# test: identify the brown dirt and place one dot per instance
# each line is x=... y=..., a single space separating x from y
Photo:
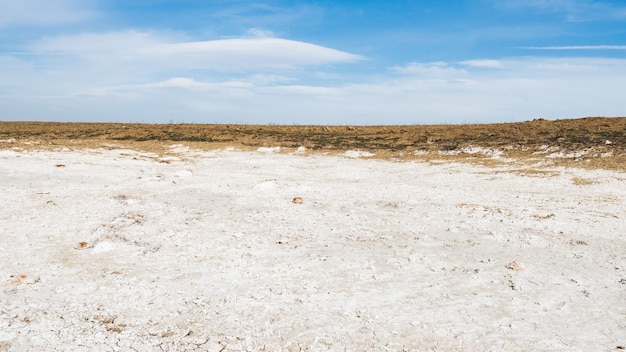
x=593 y=142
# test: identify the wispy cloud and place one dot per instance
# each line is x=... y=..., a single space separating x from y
x=482 y=63
x=260 y=33
x=447 y=92
x=572 y=10
x=547 y=5
x=438 y=69
x=43 y=12
x=577 y=47
x=233 y=16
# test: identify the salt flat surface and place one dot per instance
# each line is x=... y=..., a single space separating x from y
x=122 y=250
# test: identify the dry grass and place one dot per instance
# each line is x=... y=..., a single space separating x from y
x=580 y=181
x=587 y=142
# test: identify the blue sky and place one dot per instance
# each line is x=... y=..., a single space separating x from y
x=311 y=62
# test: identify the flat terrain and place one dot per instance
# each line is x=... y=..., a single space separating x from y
x=309 y=238
x=588 y=142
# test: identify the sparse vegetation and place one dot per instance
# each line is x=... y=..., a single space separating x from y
x=603 y=139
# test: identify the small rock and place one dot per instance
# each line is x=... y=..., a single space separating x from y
x=297 y=200
x=515 y=265
x=24 y=279
x=81 y=245
x=578 y=243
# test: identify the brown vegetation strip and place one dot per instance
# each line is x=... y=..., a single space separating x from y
x=605 y=136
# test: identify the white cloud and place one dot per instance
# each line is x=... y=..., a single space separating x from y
x=180 y=82
x=260 y=33
x=166 y=51
x=436 y=69
x=242 y=54
x=519 y=89
x=269 y=79
x=43 y=12
x=485 y=63
x=567 y=68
